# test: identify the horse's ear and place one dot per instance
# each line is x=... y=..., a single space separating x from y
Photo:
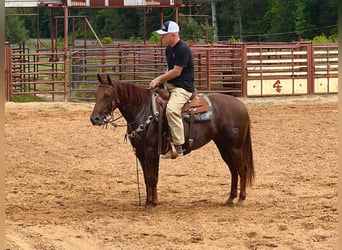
x=110 y=82
x=108 y=79
x=99 y=78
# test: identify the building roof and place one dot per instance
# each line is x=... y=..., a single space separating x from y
x=31 y=3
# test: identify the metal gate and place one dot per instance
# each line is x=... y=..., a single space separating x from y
x=40 y=73
x=217 y=69
x=291 y=69
x=133 y=64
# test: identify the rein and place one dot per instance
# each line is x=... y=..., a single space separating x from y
x=112 y=121
x=134 y=133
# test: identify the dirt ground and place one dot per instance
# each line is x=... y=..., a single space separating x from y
x=74 y=186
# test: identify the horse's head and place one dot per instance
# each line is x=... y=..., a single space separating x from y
x=106 y=100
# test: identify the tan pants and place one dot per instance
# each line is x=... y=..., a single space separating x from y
x=177 y=100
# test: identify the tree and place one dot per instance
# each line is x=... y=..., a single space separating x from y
x=314 y=18
x=249 y=20
x=213 y=19
x=15 y=31
x=191 y=30
x=281 y=17
x=253 y=20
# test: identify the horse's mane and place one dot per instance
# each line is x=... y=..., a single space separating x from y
x=133 y=93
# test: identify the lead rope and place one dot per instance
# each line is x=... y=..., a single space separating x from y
x=138 y=181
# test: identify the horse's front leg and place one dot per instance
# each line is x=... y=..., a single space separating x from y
x=151 y=173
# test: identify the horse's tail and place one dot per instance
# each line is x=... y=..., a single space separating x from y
x=248 y=158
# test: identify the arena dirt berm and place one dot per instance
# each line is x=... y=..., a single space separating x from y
x=70 y=185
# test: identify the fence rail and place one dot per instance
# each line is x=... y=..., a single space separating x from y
x=238 y=69
x=40 y=73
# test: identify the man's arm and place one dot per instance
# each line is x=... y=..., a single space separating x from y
x=168 y=75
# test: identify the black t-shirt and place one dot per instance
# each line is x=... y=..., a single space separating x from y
x=180 y=55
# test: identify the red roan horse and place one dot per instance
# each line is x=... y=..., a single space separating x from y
x=229 y=129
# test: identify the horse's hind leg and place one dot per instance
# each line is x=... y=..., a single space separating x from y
x=227 y=157
x=233 y=185
x=241 y=168
x=235 y=162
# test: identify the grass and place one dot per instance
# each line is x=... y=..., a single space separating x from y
x=27 y=98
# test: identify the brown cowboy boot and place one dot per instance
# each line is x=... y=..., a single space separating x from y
x=179 y=150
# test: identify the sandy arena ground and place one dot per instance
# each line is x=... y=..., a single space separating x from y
x=74 y=186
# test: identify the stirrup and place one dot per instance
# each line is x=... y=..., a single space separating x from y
x=171 y=154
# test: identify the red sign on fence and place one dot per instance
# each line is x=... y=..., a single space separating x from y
x=277 y=86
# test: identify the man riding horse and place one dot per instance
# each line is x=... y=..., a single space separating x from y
x=228 y=127
x=179 y=80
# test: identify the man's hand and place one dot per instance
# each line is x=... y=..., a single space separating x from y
x=154 y=83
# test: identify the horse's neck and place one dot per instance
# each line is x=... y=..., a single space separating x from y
x=133 y=106
x=130 y=111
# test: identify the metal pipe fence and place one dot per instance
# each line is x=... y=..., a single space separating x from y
x=237 y=68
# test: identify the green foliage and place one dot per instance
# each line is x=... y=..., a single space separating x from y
x=15 y=31
x=249 y=20
x=60 y=41
x=281 y=21
x=210 y=38
x=107 y=40
x=117 y=23
x=26 y=98
x=233 y=39
x=193 y=30
x=315 y=17
x=133 y=39
x=106 y=22
x=155 y=37
x=324 y=39
x=303 y=20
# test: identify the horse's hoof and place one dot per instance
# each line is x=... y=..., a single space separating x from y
x=230 y=202
x=240 y=202
x=149 y=207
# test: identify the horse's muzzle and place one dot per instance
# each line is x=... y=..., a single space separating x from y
x=97 y=119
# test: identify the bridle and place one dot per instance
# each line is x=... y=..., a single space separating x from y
x=116 y=102
x=109 y=119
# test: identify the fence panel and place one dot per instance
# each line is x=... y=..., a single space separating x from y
x=278 y=69
x=325 y=66
x=238 y=69
x=8 y=71
x=225 y=71
x=292 y=69
x=125 y=64
x=40 y=73
x=216 y=69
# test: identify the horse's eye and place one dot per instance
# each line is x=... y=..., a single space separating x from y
x=106 y=96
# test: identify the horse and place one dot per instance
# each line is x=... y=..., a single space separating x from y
x=230 y=130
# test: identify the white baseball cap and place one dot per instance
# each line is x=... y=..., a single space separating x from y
x=168 y=27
